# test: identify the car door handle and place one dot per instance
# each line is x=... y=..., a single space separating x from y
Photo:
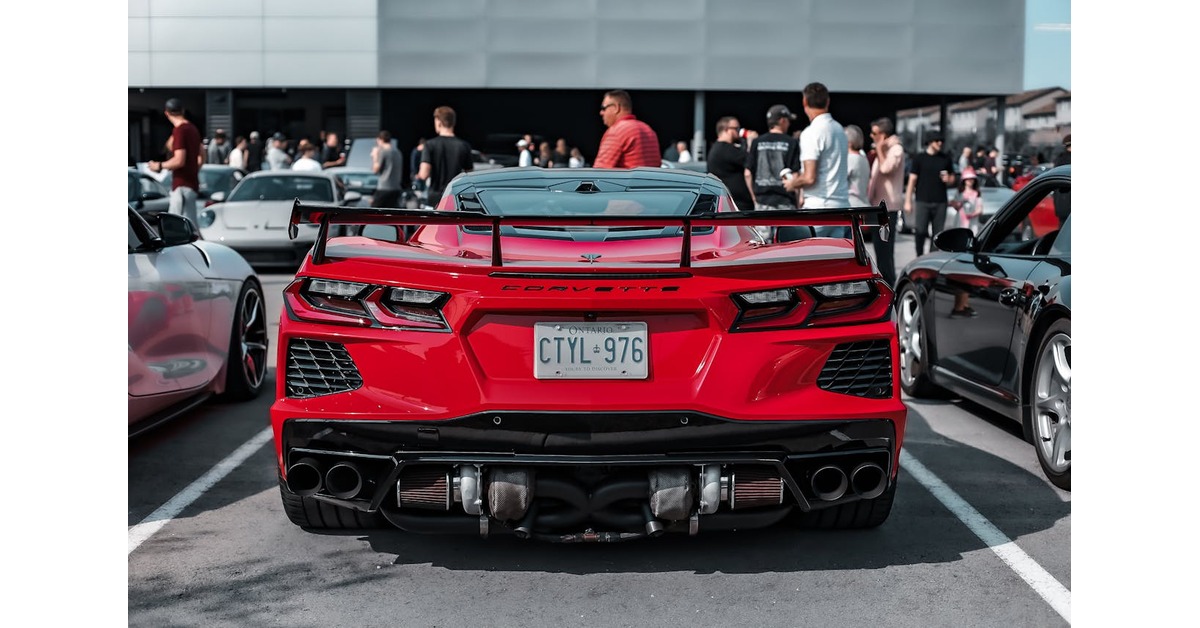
x=1010 y=296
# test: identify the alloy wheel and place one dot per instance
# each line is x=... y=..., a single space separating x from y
x=253 y=336
x=1052 y=403
x=910 y=330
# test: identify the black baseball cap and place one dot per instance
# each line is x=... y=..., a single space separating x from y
x=279 y=137
x=779 y=112
x=933 y=136
x=174 y=105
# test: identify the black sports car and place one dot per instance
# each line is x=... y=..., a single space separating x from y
x=988 y=317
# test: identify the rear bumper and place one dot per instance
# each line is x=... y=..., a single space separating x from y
x=589 y=472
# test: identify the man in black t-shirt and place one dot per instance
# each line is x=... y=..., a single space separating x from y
x=727 y=160
x=769 y=155
x=444 y=157
x=932 y=171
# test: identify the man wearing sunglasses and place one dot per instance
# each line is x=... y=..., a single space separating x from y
x=628 y=142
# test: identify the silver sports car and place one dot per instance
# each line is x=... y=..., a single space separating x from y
x=253 y=219
x=197 y=325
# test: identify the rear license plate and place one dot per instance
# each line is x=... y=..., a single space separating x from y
x=590 y=351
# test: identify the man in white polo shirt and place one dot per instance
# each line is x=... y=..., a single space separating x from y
x=823 y=153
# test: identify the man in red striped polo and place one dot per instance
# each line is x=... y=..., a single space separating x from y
x=628 y=142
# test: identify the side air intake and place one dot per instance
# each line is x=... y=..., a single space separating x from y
x=863 y=369
x=316 y=368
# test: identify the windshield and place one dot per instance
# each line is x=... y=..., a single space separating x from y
x=283 y=188
x=359 y=181
x=218 y=180
x=562 y=203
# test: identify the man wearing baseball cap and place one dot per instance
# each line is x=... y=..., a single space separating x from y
x=770 y=154
x=184 y=162
x=931 y=172
x=277 y=157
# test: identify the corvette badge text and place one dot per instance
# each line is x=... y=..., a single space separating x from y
x=593 y=288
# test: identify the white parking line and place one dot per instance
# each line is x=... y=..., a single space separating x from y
x=159 y=518
x=1051 y=590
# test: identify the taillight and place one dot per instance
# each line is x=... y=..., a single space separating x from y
x=851 y=302
x=770 y=309
x=366 y=305
x=840 y=303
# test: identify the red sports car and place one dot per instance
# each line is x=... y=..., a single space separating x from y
x=586 y=355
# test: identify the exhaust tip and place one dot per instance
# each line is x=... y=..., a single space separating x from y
x=868 y=480
x=829 y=483
x=344 y=480
x=304 y=477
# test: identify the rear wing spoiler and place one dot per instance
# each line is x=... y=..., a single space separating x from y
x=325 y=215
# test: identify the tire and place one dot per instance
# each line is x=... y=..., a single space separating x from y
x=910 y=327
x=246 y=366
x=1049 y=404
x=865 y=513
x=313 y=514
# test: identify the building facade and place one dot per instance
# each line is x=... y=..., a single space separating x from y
x=354 y=66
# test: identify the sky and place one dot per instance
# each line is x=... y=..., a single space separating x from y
x=1047 y=44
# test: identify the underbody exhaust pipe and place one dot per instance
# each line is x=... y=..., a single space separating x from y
x=868 y=480
x=829 y=483
x=304 y=477
x=344 y=480
x=654 y=527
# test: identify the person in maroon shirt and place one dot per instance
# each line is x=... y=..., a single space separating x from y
x=184 y=162
x=628 y=142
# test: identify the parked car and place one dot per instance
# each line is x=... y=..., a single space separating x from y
x=197 y=327
x=1043 y=220
x=213 y=178
x=694 y=166
x=253 y=219
x=361 y=180
x=989 y=318
x=573 y=354
x=147 y=195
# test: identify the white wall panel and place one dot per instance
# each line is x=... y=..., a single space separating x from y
x=556 y=37
x=320 y=8
x=544 y=9
x=433 y=35
x=214 y=69
x=206 y=34
x=439 y=9
x=649 y=71
x=139 y=34
x=651 y=37
x=139 y=68
x=321 y=69
x=205 y=8
x=464 y=69
x=331 y=34
x=535 y=69
x=921 y=46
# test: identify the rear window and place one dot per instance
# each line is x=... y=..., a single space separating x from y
x=280 y=188
x=563 y=203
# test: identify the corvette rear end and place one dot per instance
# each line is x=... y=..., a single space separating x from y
x=571 y=373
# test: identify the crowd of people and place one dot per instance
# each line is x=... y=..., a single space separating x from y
x=824 y=165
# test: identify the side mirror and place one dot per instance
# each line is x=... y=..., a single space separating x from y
x=217 y=197
x=176 y=230
x=351 y=197
x=957 y=240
